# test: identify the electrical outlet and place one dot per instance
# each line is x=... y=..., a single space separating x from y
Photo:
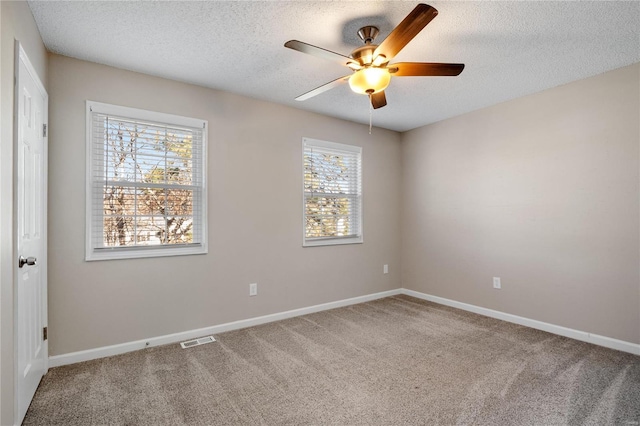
x=496 y=283
x=253 y=289
x=385 y=269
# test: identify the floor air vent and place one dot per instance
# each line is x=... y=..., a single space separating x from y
x=197 y=342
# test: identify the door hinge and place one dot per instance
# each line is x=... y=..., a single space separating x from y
x=44 y=130
x=44 y=333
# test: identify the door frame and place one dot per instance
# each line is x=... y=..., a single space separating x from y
x=21 y=56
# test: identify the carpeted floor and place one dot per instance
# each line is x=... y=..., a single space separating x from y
x=392 y=361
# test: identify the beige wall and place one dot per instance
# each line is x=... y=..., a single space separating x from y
x=542 y=191
x=16 y=24
x=255 y=220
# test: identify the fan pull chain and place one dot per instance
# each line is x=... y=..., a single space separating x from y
x=370 y=114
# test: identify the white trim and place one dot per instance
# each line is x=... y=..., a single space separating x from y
x=583 y=336
x=143 y=114
x=332 y=241
x=74 y=357
x=331 y=147
x=142 y=252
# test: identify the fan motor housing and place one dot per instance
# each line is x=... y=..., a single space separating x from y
x=364 y=54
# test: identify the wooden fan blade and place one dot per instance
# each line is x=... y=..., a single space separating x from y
x=319 y=52
x=378 y=100
x=330 y=85
x=406 y=31
x=408 y=69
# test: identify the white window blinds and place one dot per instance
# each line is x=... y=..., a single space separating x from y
x=332 y=193
x=146 y=183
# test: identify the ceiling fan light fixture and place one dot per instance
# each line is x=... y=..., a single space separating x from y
x=369 y=80
x=371 y=64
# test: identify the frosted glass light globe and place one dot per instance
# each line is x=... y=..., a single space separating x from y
x=369 y=80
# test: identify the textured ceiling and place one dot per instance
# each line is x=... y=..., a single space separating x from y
x=510 y=49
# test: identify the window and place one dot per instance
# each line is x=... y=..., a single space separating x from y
x=146 y=183
x=332 y=193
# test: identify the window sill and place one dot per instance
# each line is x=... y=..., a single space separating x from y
x=332 y=242
x=116 y=253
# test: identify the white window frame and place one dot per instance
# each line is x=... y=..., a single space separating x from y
x=109 y=253
x=338 y=148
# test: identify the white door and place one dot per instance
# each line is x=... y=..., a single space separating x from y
x=30 y=230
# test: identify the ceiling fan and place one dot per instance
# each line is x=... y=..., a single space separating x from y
x=370 y=63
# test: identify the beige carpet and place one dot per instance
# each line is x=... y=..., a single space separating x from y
x=392 y=361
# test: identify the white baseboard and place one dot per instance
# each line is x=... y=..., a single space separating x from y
x=607 y=342
x=74 y=357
